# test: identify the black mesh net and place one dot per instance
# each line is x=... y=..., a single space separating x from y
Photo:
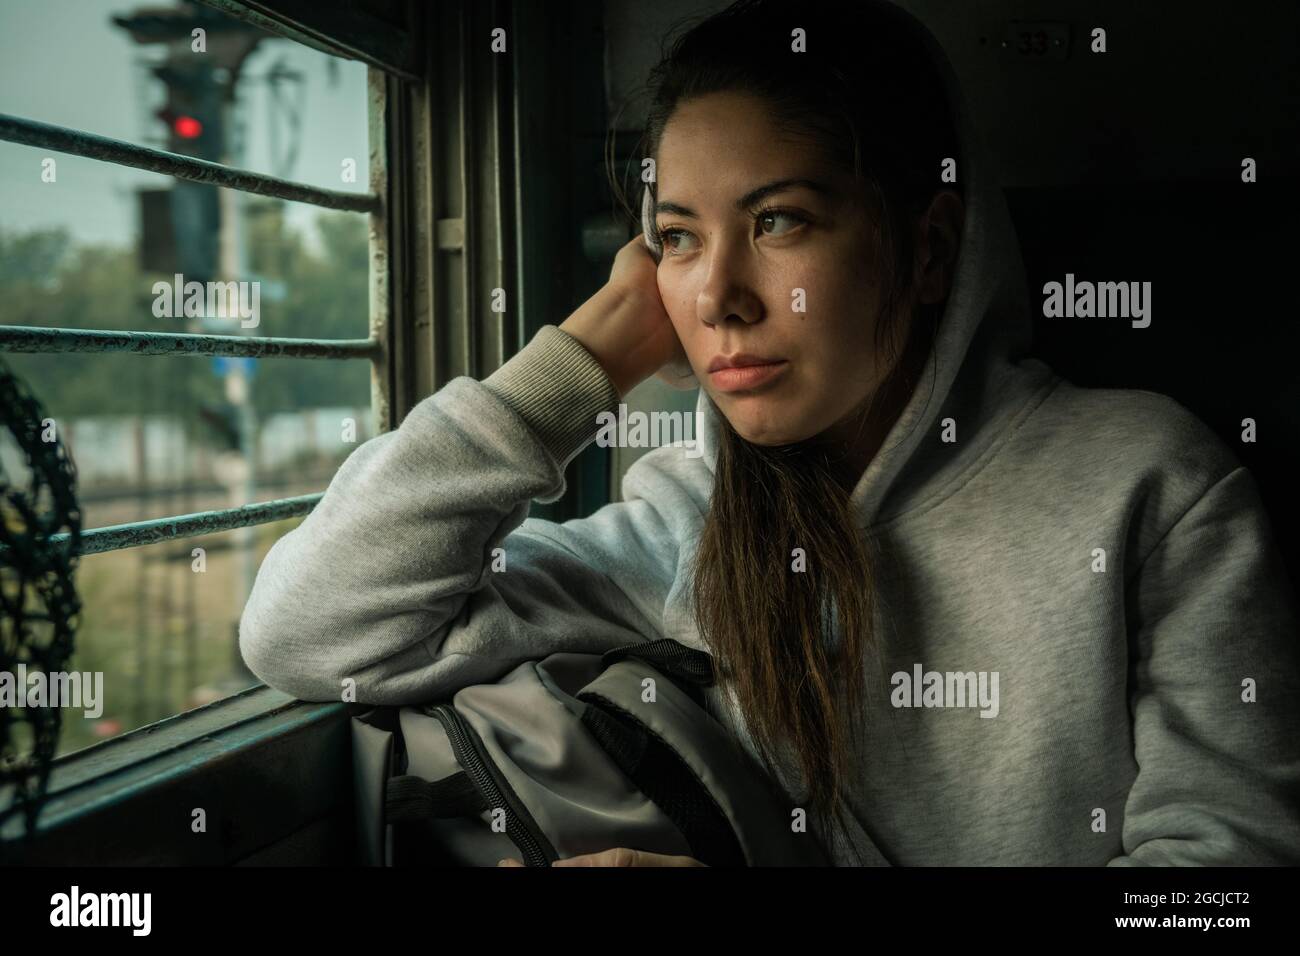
x=40 y=534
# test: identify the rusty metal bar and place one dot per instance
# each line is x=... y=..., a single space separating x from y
x=138 y=533
x=351 y=30
x=28 y=132
x=17 y=338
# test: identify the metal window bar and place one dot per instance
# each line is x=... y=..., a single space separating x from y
x=16 y=338
x=135 y=534
x=28 y=132
x=29 y=339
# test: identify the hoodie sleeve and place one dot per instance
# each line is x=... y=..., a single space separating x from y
x=418 y=572
x=1216 y=717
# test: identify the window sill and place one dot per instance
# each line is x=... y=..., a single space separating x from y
x=212 y=786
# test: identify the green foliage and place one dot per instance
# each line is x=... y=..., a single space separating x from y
x=47 y=280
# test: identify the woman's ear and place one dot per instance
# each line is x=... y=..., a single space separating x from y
x=938 y=244
x=648 y=230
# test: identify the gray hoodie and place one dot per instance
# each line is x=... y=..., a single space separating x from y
x=1087 y=646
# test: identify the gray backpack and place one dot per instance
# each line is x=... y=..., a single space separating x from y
x=571 y=754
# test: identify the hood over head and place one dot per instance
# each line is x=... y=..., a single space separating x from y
x=984 y=329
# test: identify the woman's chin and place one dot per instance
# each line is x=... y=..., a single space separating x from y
x=771 y=416
x=765 y=433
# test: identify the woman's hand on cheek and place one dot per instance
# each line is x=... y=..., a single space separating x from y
x=619 y=856
x=625 y=326
x=677 y=371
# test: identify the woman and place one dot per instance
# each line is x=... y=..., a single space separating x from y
x=967 y=612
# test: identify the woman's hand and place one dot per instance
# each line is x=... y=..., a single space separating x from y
x=625 y=327
x=619 y=856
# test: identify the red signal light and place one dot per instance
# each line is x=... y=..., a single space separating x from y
x=187 y=127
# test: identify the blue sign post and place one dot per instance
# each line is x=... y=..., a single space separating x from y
x=223 y=365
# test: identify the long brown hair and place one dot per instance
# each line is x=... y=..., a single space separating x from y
x=793 y=645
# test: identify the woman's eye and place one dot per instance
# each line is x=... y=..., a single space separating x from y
x=779 y=215
x=668 y=238
x=671 y=239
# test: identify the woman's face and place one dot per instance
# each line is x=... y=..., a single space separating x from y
x=783 y=273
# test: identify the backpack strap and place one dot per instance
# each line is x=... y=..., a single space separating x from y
x=412 y=799
x=669 y=657
x=668 y=781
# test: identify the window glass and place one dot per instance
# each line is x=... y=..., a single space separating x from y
x=93 y=245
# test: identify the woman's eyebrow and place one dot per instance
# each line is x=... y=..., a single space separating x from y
x=753 y=197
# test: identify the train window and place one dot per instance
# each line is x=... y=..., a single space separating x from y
x=185 y=255
x=262 y=286
x=196 y=259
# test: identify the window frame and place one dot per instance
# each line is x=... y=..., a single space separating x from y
x=452 y=219
x=227 y=755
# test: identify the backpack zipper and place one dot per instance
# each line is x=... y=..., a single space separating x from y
x=469 y=750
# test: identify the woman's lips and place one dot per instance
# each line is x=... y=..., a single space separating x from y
x=738 y=378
